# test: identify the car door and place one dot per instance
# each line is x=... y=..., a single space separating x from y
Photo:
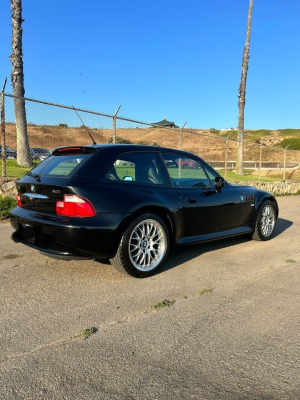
x=206 y=210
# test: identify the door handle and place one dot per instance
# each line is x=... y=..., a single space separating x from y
x=191 y=199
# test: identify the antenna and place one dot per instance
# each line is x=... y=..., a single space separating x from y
x=84 y=126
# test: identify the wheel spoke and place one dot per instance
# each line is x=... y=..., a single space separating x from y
x=267 y=221
x=147 y=245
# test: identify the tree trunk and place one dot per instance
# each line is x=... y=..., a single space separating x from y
x=17 y=79
x=242 y=96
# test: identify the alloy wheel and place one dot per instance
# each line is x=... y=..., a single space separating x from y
x=147 y=245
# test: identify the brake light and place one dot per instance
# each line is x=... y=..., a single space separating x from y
x=75 y=206
x=69 y=149
x=19 y=200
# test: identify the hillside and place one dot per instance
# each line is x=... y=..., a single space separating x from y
x=211 y=146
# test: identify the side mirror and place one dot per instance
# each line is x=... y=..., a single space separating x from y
x=219 y=182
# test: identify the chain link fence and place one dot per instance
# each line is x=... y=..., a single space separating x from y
x=50 y=125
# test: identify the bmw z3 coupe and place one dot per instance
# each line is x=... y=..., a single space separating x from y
x=130 y=204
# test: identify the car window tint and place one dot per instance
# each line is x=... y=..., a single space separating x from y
x=211 y=174
x=60 y=165
x=185 y=172
x=136 y=167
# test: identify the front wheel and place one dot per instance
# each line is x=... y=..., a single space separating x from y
x=265 y=222
x=143 y=247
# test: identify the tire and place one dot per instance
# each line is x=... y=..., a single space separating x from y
x=143 y=247
x=265 y=222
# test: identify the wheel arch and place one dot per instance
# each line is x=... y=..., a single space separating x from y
x=161 y=212
x=271 y=198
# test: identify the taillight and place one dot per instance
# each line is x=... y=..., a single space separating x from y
x=19 y=200
x=75 y=206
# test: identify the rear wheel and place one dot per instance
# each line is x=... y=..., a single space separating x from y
x=143 y=247
x=265 y=222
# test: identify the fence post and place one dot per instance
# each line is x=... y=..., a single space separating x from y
x=180 y=136
x=3 y=156
x=260 y=157
x=115 y=124
x=180 y=146
x=284 y=162
x=226 y=154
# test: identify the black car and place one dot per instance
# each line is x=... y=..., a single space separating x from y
x=39 y=153
x=9 y=152
x=130 y=204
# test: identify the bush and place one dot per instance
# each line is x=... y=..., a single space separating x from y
x=120 y=140
x=294 y=143
x=63 y=125
x=6 y=204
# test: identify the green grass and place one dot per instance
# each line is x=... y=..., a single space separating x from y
x=162 y=304
x=214 y=131
x=250 y=136
x=290 y=132
x=6 y=204
x=205 y=291
x=232 y=176
x=13 y=170
x=293 y=143
x=233 y=134
x=290 y=261
x=86 y=333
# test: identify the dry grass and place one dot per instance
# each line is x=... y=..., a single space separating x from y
x=211 y=148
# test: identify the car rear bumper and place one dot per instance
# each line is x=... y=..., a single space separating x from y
x=68 y=238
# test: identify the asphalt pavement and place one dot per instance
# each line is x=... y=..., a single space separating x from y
x=230 y=330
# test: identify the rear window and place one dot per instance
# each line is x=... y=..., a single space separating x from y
x=61 y=165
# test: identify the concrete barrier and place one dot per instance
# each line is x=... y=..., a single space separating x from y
x=8 y=186
x=281 y=188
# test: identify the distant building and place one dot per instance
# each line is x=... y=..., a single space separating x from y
x=165 y=123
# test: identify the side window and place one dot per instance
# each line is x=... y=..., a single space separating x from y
x=185 y=172
x=210 y=173
x=138 y=167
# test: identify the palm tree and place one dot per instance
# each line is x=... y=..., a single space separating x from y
x=242 y=96
x=17 y=79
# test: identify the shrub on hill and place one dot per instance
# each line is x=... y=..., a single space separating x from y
x=293 y=143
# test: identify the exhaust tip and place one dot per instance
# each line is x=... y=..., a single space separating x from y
x=15 y=237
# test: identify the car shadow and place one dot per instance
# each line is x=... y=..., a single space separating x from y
x=282 y=225
x=180 y=255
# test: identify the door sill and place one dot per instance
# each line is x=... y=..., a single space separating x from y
x=242 y=230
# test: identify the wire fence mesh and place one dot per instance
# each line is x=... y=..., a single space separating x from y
x=50 y=125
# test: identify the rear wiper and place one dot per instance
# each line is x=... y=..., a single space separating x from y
x=34 y=176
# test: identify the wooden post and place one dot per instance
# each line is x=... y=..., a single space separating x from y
x=180 y=147
x=284 y=162
x=115 y=125
x=260 y=157
x=226 y=149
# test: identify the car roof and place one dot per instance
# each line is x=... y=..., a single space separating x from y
x=115 y=149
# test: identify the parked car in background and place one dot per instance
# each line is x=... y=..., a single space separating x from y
x=39 y=153
x=130 y=204
x=9 y=152
x=186 y=164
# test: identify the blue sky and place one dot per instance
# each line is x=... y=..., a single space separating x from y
x=174 y=59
